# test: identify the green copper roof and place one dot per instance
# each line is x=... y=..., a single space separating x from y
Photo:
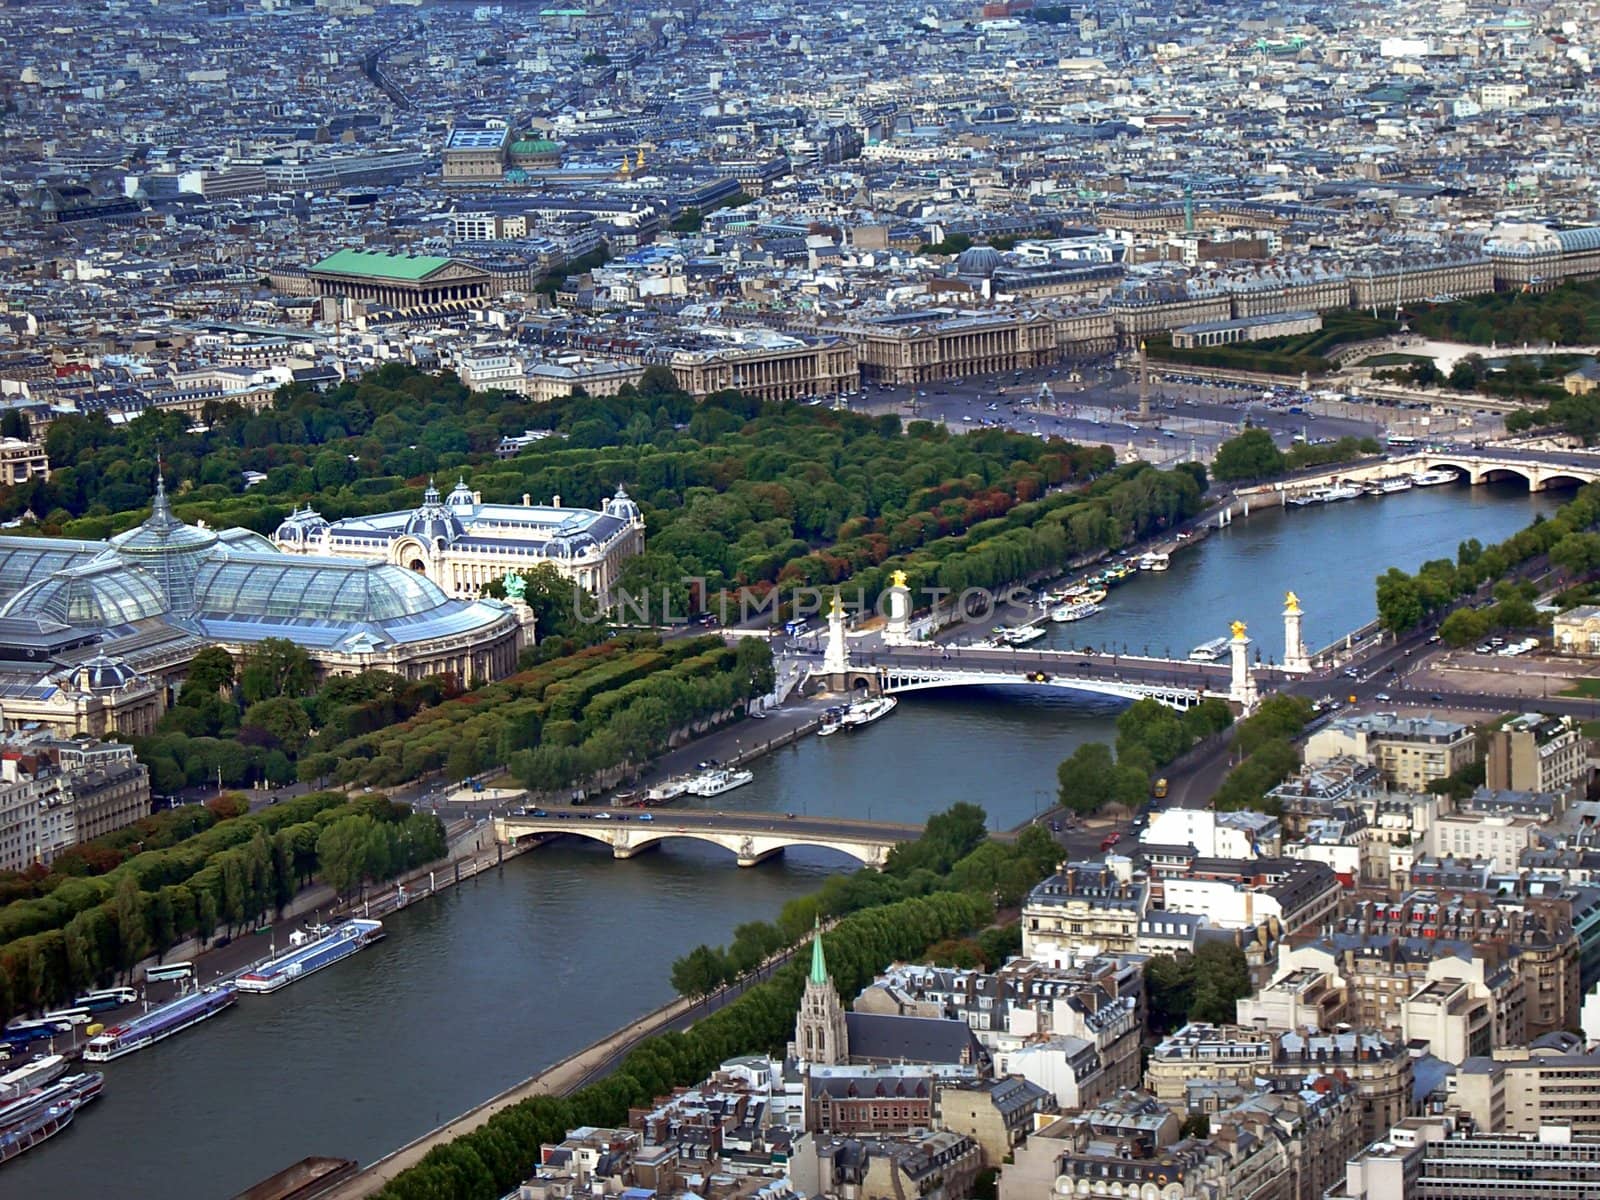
x=819 y=969
x=384 y=266
x=534 y=146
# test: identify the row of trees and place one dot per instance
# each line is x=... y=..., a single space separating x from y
x=1149 y=736
x=1406 y=600
x=258 y=723
x=1264 y=742
x=607 y=706
x=954 y=853
x=89 y=929
x=493 y=1159
x=108 y=851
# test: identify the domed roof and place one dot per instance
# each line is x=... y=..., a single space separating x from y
x=162 y=532
x=292 y=587
x=621 y=506
x=461 y=496
x=433 y=522
x=534 y=146
x=104 y=592
x=979 y=261
x=169 y=549
x=102 y=673
x=301 y=526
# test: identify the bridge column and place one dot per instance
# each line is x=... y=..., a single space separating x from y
x=897 y=630
x=748 y=856
x=836 y=657
x=623 y=847
x=1294 y=646
x=1242 y=684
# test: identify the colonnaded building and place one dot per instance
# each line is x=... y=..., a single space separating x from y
x=96 y=637
x=461 y=543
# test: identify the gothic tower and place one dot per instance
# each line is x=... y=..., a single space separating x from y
x=819 y=1032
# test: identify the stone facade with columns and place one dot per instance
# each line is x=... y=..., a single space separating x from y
x=462 y=543
x=401 y=281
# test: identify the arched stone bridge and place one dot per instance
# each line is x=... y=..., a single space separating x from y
x=750 y=837
x=1539 y=469
x=906 y=678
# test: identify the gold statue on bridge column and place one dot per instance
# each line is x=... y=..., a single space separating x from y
x=1291 y=603
x=1238 y=629
x=897 y=579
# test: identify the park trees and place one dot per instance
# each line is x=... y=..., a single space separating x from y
x=275 y=667
x=1250 y=455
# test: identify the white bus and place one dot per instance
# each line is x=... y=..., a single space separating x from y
x=177 y=970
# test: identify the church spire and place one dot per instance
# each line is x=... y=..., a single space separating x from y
x=819 y=968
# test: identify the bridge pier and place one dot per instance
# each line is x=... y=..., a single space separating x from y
x=622 y=849
x=749 y=859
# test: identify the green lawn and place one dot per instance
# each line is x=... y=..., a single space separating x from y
x=1589 y=688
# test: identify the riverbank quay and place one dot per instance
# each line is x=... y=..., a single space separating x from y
x=576 y=1071
x=472 y=852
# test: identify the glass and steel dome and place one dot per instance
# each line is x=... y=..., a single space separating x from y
x=102 y=593
x=309 y=588
x=245 y=541
x=167 y=548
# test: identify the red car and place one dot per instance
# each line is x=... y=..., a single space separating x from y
x=1111 y=840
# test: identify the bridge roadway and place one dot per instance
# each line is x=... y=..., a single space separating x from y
x=751 y=837
x=1179 y=682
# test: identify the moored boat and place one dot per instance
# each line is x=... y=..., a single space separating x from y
x=318 y=948
x=723 y=779
x=49 y=1119
x=160 y=1023
x=1074 y=612
x=865 y=712
x=1021 y=635
x=1155 y=561
x=669 y=789
x=1432 y=478
x=23 y=1079
x=1209 y=651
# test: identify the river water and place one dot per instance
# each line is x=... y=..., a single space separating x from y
x=490 y=983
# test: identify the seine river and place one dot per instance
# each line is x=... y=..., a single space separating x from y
x=480 y=989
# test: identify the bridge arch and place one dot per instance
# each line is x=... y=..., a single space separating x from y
x=1503 y=473
x=630 y=837
x=898 y=682
x=1562 y=479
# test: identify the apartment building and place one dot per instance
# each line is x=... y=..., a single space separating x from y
x=1482 y=837
x=1427 y=1159
x=1409 y=751
x=21 y=461
x=57 y=792
x=1083 y=910
x=1519 y=1090
x=1536 y=753
x=1206 y=1052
